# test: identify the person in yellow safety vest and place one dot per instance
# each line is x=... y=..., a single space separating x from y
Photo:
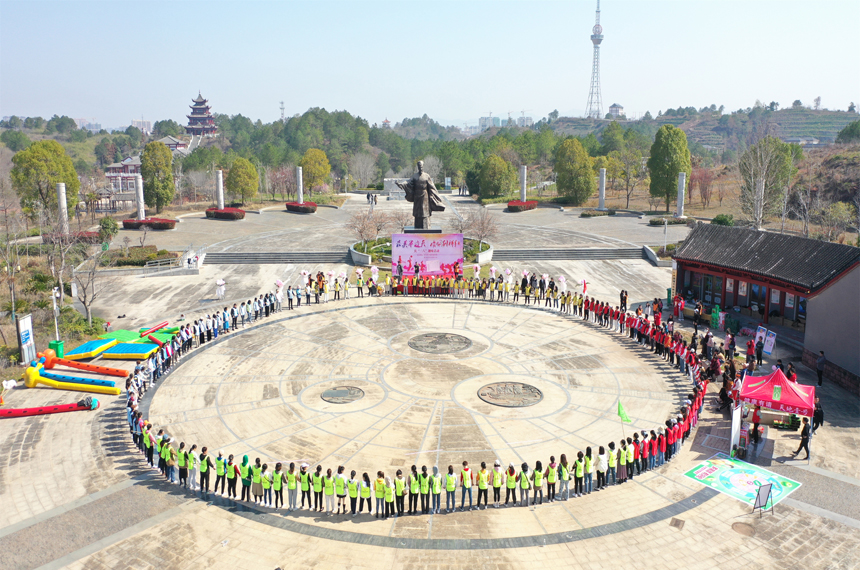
x=399 y=490
x=364 y=493
x=158 y=439
x=510 y=484
x=182 y=463
x=589 y=470
x=245 y=474
x=147 y=443
x=450 y=490
x=525 y=484
x=205 y=468
x=564 y=479
x=257 y=480
x=328 y=489
x=277 y=485
x=193 y=468
x=220 y=472
x=305 y=482
x=497 y=477
x=293 y=483
x=231 y=478
x=388 y=284
x=613 y=462
x=622 y=462
x=424 y=484
x=317 y=481
x=388 y=494
x=340 y=489
x=466 y=485
x=579 y=472
x=630 y=458
x=483 y=484
x=436 y=490
x=352 y=485
x=537 y=481
x=379 y=491
x=551 y=474
x=266 y=483
x=169 y=455
x=413 y=491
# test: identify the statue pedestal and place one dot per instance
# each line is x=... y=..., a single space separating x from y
x=431 y=230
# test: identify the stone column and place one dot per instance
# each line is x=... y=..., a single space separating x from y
x=682 y=179
x=141 y=205
x=299 y=189
x=524 y=171
x=601 y=191
x=219 y=188
x=62 y=209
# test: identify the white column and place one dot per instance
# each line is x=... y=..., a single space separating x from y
x=523 y=182
x=219 y=188
x=141 y=205
x=299 y=189
x=601 y=190
x=62 y=209
x=682 y=179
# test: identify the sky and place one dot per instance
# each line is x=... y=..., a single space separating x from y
x=453 y=60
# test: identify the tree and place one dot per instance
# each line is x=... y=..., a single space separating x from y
x=482 y=225
x=401 y=218
x=765 y=169
x=702 y=179
x=156 y=167
x=612 y=138
x=834 y=219
x=37 y=171
x=108 y=228
x=361 y=226
x=852 y=108
x=647 y=116
x=497 y=177
x=433 y=167
x=91 y=282
x=15 y=140
x=553 y=115
x=363 y=167
x=773 y=106
x=574 y=177
x=460 y=224
x=631 y=171
x=669 y=157
x=167 y=128
x=797 y=104
x=315 y=169
x=383 y=163
x=817 y=102
x=851 y=133
x=242 y=180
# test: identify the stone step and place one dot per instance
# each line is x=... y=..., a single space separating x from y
x=274 y=258
x=567 y=254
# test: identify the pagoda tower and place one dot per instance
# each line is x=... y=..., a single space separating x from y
x=200 y=121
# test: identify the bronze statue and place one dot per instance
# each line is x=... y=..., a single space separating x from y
x=425 y=199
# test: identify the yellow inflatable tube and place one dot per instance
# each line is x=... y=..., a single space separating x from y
x=33 y=379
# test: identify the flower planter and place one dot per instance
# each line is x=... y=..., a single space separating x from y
x=303 y=208
x=520 y=206
x=225 y=214
x=151 y=223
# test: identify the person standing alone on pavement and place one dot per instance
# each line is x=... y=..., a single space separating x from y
x=819 y=366
x=817 y=416
x=804 y=439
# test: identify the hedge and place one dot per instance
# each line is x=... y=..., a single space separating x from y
x=136 y=256
x=82 y=237
x=520 y=206
x=152 y=223
x=303 y=208
x=225 y=214
x=670 y=221
x=592 y=213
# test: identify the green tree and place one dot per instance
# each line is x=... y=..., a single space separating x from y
x=669 y=157
x=108 y=228
x=60 y=125
x=242 y=180
x=166 y=128
x=78 y=135
x=383 y=164
x=315 y=169
x=497 y=177
x=612 y=138
x=15 y=140
x=156 y=167
x=37 y=171
x=574 y=176
x=851 y=133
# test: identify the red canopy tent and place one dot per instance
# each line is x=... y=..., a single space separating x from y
x=777 y=393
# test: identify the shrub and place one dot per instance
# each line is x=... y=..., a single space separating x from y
x=108 y=228
x=225 y=214
x=82 y=237
x=303 y=208
x=520 y=206
x=670 y=221
x=592 y=213
x=152 y=223
x=724 y=220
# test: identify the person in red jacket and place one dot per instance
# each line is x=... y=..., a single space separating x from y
x=670 y=441
x=661 y=442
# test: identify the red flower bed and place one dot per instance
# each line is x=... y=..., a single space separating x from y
x=152 y=223
x=225 y=214
x=82 y=237
x=520 y=206
x=303 y=208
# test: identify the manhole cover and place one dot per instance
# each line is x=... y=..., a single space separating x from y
x=439 y=343
x=743 y=528
x=677 y=523
x=510 y=394
x=342 y=395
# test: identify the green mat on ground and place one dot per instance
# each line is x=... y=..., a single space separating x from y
x=122 y=335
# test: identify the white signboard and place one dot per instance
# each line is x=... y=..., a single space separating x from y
x=27 y=339
x=730 y=285
x=789 y=301
x=760 y=334
x=769 y=342
x=774 y=296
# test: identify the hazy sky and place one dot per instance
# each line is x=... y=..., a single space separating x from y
x=453 y=60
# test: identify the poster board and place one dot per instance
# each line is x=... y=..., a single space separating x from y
x=760 y=334
x=769 y=342
x=434 y=254
x=740 y=480
x=26 y=339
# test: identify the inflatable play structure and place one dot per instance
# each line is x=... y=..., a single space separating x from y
x=33 y=377
x=88 y=403
x=51 y=360
x=90 y=349
x=130 y=351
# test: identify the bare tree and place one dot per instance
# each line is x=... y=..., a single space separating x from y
x=367 y=225
x=283 y=180
x=198 y=183
x=460 y=224
x=631 y=171
x=363 y=167
x=703 y=178
x=834 y=219
x=804 y=204
x=13 y=229
x=764 y=170
x=482 y=225
x=433 y=167
x=91 y=281
x=401 y=218
x=177 y=179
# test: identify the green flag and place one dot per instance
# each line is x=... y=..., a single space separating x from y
x=622 y=414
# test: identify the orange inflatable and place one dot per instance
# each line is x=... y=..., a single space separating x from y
x=51 y=360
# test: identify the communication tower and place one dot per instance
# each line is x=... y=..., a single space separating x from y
x=594 y=108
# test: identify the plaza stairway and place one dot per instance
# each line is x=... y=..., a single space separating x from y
x=276 y=258
x=565 y=254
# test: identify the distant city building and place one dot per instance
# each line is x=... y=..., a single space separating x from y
x=487 y=122
x=121 y=174
x=90 y=125
x=145 y=126
x=525 y=122
x=616 y=110
x=200 y=121
x=386 y=124
x=802 y=141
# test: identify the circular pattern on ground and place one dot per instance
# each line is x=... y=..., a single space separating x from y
x=342 y=395
x=440 y=343
x=510 y=394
